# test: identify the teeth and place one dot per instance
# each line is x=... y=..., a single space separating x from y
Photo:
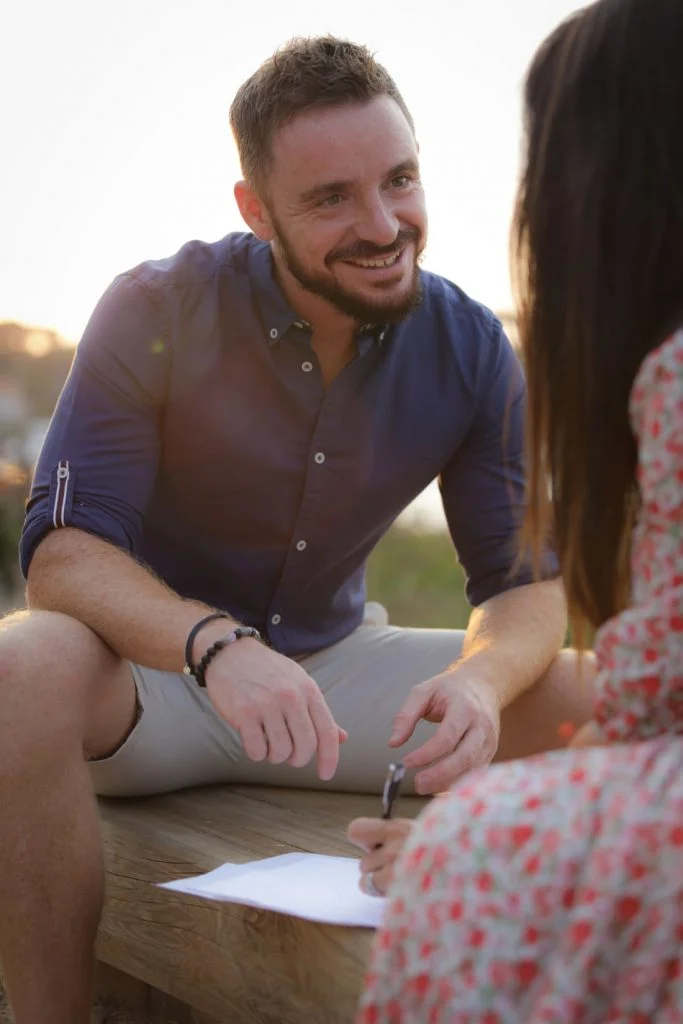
x=388 y=261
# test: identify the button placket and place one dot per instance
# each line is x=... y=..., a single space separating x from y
x=308 y=519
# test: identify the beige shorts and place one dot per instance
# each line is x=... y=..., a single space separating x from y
x=179 y=740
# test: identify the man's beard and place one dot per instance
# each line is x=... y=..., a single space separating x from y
x=362 y=310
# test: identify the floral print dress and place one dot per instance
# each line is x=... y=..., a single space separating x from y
x=550 y=890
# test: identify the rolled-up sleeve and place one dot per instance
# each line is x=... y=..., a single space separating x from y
x=483 y=487
x=98 y=464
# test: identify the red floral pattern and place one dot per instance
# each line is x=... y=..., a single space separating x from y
x=550 y=890
x=640 y=653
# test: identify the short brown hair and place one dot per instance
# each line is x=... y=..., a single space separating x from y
x=305 y=73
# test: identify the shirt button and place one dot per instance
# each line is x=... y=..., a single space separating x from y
x=273 y=332
x=301 y=545
x=319 y=457
x=307 y=367
x=275 y=620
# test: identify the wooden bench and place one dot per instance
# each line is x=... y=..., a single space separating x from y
x=171 y=957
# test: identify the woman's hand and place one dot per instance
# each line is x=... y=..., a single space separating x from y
x=383 y=842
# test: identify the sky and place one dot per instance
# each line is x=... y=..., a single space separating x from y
x=116 y=146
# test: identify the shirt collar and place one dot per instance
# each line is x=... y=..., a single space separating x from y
x=277 y=315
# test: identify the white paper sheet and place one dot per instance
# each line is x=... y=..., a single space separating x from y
x=306 y=885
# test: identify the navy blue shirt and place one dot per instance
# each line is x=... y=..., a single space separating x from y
x=195 y=431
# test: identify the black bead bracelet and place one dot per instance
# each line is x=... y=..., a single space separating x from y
x=189 y=668
x=237 y=634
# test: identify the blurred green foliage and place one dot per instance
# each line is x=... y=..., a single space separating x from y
x=37 y=361
x=12 y=507
x=414 y=573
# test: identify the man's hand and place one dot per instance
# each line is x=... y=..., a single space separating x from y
x=468 y=711
x=383 y=842
x=276 y=707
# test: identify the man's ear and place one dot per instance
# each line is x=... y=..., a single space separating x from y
x=254 y=212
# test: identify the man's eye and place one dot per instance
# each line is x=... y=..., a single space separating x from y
x=400 y=181
x=331 y=201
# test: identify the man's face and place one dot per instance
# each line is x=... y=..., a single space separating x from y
x=346 y=205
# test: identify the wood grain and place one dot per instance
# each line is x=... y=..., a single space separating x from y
x=232 y=963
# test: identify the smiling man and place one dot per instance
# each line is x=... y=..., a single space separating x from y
x=374 y=278
x=242 y=423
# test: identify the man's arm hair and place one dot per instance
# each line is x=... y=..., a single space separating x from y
x=121 y=600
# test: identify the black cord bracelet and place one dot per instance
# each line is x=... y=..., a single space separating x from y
x=215 y=648
x=189 y=668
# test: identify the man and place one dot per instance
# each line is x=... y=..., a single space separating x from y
x=241 y=425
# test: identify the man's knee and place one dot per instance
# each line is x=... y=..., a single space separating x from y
x=50 y=668
x=569 y=685
x=545 y=716
x=39 y=649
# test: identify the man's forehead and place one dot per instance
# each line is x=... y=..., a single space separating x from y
x=344 y=143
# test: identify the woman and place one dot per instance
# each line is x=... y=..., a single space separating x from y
x=552 y=889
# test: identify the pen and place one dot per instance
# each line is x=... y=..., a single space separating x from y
x=392 y=787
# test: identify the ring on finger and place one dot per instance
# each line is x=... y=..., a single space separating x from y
x=369 y=885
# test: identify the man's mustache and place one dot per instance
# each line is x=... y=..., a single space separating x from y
x=367 y=251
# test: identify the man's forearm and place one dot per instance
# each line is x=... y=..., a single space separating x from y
x=512 y=639
x=136 y=614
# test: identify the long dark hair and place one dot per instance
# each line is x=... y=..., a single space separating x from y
x=598 y=269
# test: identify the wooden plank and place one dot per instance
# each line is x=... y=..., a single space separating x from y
x=232 y=963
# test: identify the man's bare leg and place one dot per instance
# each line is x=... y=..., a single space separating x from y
x=62 y=694
x=544 y=717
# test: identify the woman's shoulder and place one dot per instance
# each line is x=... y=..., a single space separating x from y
x=659 y=380
x=657 y=421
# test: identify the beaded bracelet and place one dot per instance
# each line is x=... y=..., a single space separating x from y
x=189 y=668
x=215 y=648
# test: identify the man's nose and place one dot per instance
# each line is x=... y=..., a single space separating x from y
x=377 y=223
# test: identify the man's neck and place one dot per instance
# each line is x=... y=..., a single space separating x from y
x=333 y=333
x=324 y=318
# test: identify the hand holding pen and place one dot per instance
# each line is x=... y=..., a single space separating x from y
x=382 y=838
